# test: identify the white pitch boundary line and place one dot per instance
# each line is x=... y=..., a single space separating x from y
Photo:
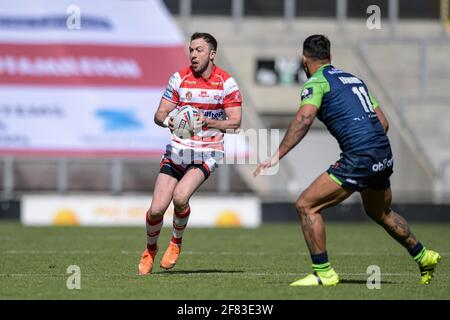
x=202 y=274
x=252 y=253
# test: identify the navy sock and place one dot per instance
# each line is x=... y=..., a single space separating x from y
x=417 y=251
x=320 y=262
x=319 y=258
x=414 y=251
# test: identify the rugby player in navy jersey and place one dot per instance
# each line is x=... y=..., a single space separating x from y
x=344 y=104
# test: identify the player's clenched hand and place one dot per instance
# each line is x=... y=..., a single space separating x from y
x=264 y=165
x=204 y=121
x=170 y=124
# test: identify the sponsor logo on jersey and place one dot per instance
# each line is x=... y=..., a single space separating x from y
x=237 y=96
x=381 y=166
x=168 y=93
x=204 y=94
x=307 y=93
x=216 y=84
x=214 y=114
x=217 y=97
x=190 y=82
x=169 y=89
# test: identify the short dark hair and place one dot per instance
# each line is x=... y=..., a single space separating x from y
x=209 y=39
x=317 y=46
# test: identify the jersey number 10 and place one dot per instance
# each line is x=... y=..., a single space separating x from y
x=364 y=99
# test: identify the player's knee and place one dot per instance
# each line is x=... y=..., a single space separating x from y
x=155 y=213
x=303 y=207
x=180 y=200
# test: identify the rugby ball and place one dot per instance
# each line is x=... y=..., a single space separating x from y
x=185 y=122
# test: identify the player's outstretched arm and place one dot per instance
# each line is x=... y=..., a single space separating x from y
x=296 y=131
x=382 y=119
x=162 y=114
x=232 y=123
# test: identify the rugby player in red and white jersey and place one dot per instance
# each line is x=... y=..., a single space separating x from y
x=187 y=163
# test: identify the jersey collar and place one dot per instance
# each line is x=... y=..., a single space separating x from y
x=321 y=68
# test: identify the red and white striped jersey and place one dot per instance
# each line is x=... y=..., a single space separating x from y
x=211 y=96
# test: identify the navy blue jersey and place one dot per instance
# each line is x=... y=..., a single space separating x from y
x=346 y=108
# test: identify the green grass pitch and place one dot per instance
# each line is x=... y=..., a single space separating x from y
x=215 y=263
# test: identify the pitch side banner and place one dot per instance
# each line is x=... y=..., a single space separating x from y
x=85 y=77
x=86 y=210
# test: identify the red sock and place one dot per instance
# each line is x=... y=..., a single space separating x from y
x=180 y=220
x=154 y=226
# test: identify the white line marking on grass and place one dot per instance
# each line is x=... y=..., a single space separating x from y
x=31 y=275
x=53 y=252
x=230 y=273
x=253 y=253
x=206 y=253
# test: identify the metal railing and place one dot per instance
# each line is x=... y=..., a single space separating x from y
x=62 y=184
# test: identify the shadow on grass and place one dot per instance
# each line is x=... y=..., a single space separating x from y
x=197 y=271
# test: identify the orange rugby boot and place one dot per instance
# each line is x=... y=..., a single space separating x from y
x=171 y=256
x=146 y=263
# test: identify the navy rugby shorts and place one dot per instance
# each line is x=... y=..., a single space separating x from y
x=367 y=169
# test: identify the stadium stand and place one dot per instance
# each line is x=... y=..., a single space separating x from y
x=391 y=60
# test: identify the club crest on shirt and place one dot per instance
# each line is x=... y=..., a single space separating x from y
x=307 y=93
x=188 y=96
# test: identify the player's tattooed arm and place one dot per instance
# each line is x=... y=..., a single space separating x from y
x=297 y=129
